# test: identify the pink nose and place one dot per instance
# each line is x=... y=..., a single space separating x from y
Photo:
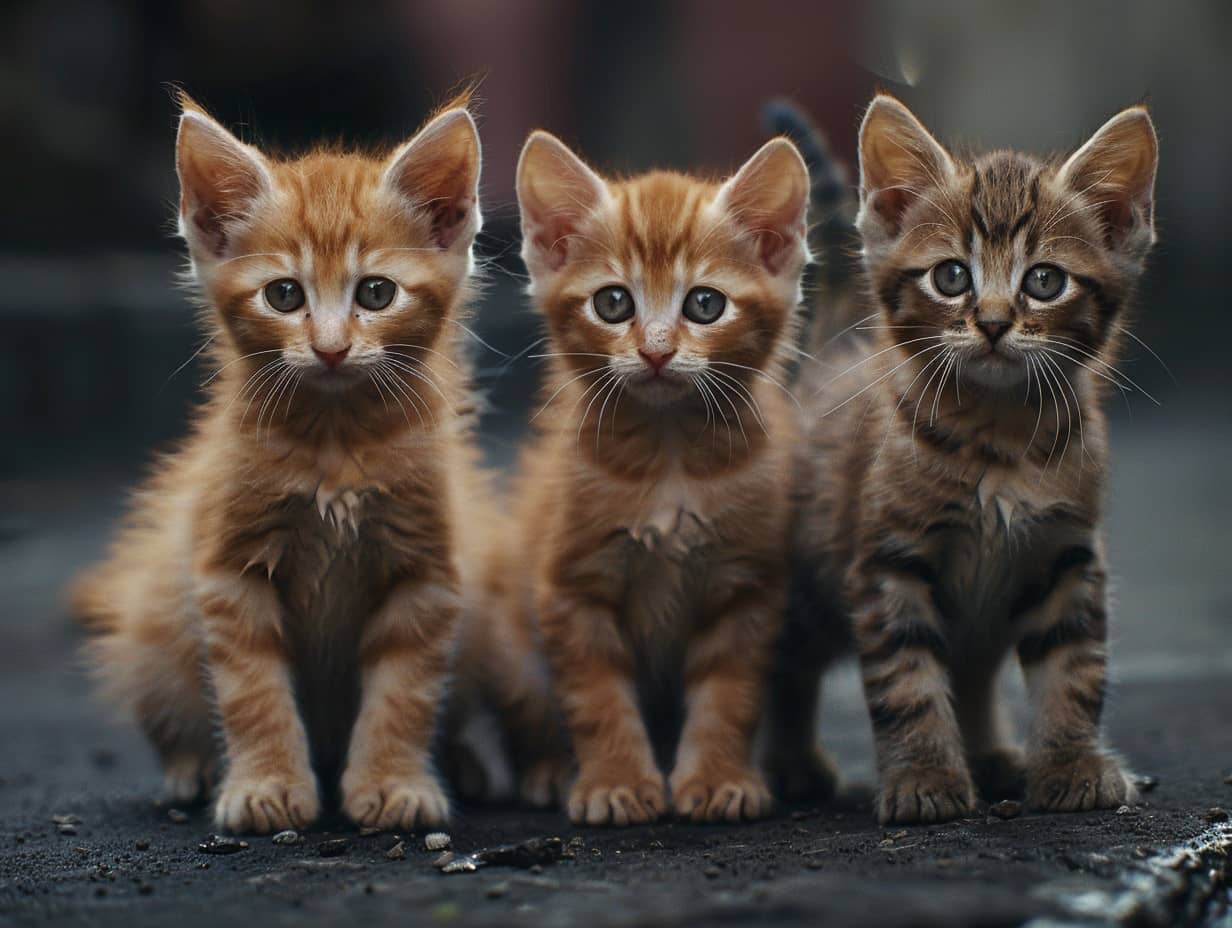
x=332 y=359
x=656 y=359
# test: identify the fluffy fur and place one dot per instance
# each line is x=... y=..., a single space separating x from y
x=952 y=478
x=652 y=502
x=290 y=577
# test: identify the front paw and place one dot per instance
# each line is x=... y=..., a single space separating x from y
x=611 y=795
x=722 y=793
x=260 y=804
x=911 y=795
x=809 y=774
x=1078 y=784
x=393 y=801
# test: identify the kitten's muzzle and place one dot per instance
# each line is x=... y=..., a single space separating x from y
x=331 y=359
x=656 y=360
x=993 y=329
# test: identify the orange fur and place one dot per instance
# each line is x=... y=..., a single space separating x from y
x=295 y=569
x=651 y=508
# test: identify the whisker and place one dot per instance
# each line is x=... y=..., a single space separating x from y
x=586 y=373
x=1126 y=331
x=875 y=355
x=888 y=373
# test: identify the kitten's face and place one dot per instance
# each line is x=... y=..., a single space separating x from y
x=1008 y=264
x=664 y=287
x=339 y=266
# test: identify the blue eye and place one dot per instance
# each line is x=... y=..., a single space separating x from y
x=951 y=278
x=1044 y=282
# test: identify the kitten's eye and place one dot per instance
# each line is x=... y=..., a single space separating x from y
x=704 y=305
x=375 y=292
x=613 y=304
x=285 y=295
x=951 y=278
x=1044 y=282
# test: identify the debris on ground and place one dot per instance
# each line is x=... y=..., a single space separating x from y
x=61 y=820
x=142 y=844
x=1216 y=814
x=1146 y=783
x=177 y=816
x=437 y=841
x=290 y=836
x=222 y=844
x=524 y=856
x=1006 y=808
x=334 y=847
x=397 y=852
x=369 y=831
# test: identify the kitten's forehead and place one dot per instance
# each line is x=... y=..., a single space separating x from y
x=662 y=220
x=1005 y=193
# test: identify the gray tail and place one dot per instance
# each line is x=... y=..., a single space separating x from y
x=834 y=284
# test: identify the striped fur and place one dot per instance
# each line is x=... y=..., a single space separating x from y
x=291 y=576
x=651 y=508
x=950 y=490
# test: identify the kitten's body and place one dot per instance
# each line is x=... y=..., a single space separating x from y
x=652 y=513
x=293 y=570
x=950 y=504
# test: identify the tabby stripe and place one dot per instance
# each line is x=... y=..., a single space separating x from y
x=890 y=291
x=889 y=719
x=1091 y=628
x=1036 y=594
x=909 y=636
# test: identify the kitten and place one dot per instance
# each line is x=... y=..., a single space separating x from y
x=951 y=495
x=291 y=571
x=652 y=504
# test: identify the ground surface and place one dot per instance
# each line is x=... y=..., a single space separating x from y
x=129 y=863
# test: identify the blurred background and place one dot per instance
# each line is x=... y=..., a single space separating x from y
x=93 y=372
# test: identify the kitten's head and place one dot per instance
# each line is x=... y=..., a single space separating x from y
x=333 y=263
x=1008 y=261
x=664 y=284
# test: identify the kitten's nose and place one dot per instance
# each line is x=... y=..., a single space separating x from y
x=656 y=359
x=993 y=329
x=331 y=359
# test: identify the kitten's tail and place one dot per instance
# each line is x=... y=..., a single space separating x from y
x=833 y=289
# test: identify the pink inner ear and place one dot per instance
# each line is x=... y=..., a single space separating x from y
x=448 y=220
x=890 y=206
x=773 y=248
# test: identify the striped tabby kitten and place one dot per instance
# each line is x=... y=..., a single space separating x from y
x=951 y=497
x=652 y=506
x=289 y=577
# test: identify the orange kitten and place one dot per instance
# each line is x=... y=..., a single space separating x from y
x=652 y=506
x=290 y=570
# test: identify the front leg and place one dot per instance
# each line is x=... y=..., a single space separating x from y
x=269 y=784
x=903 y=652
x=618 y=781
x=715 y=778
x=1064 y=661
x=389 y=781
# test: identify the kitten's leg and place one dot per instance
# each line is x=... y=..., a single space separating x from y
x=996 y=764
x=715 y=778
x=920 y=758
x=1064 y=661
x=269 y=784
x=618 y=781
x=796 y=763
x=404 y=656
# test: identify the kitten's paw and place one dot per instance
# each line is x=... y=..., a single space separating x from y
x=615 y=798
x=393 y=802
x=263 y=804
x=809 y=774
x=1078 y=784
x=187 y=778
x=721 y=794
x=1000 y=774
x=924 y=794
x=545 y=782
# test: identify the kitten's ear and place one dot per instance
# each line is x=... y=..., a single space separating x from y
x=768 y=199
x=899 y=160
x=220 y=180
x=1116 y=168
x=438 y=171
x=557 y=194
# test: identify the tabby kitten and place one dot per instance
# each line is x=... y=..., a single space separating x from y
x=290 y=573
x=951 y=493
x=653 y=502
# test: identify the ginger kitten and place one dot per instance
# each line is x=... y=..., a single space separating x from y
x=652 y=504
x=289 y=577
x=953 y=473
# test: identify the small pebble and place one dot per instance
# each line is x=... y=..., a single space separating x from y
x=368 y=831
x=1228 y=779
x=177 y=817
x=65 y=820
x=222 y=844
x=497 y=890
x=335 y=847
x=1216 y=814
x=289 y=836
x=711 y=872
x=437 y=841
x=1006 y=808
x=141 y=844
x=397 y=852
x=1123 y=810
x=1146 y=784
x=67 y=829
